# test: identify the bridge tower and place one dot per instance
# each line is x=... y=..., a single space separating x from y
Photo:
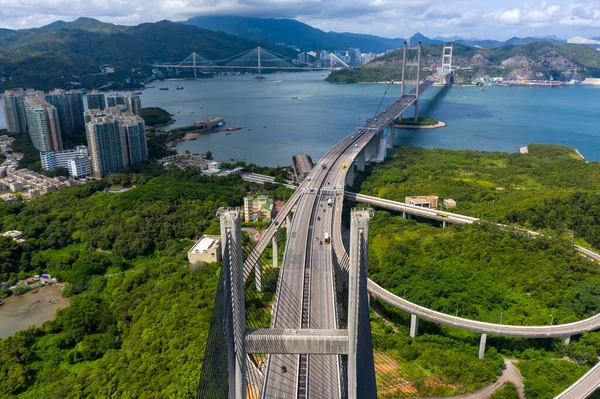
x=235 y=314
x=194 y=63
x=447 y=72
x=259 y=66
x=361 y=364
x=417 y=65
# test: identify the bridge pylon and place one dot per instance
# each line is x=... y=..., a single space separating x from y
x=447 y=72
x=361 y=367
x=417 y=65
x=235 y=314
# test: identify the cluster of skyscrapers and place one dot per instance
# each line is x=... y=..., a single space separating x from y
x=113 y=125
x=352 y=56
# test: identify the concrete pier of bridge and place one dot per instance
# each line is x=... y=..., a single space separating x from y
x=482 y=342
x=414 y=325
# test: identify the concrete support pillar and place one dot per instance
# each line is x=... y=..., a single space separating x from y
x=275 y=252
x=360 y=161
x=482 y=346
x=444 y=224
x=566 y=339
x=392 y=133
x=404 y=215
x=414 y=325
x=231 y=238
x=359 y=233
x=350 y=175
x=288 y=224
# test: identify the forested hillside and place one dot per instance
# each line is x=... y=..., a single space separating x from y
x=487 y=273
x=139 y=313
x=73 y=52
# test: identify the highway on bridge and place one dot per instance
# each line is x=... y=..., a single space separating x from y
x=306 y=293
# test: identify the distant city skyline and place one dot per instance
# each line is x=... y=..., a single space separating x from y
x=388 y=18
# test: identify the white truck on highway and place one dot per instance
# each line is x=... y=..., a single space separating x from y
x=329 y=202
x=326 y=240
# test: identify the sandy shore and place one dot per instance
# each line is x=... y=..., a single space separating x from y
x=20 y=312
x=436 y=126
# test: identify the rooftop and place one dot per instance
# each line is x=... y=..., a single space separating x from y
x=204 y=244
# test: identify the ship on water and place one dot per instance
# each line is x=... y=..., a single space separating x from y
x=209 y=124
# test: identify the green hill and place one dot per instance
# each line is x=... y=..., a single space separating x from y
x=61 y=53
x=562 y=61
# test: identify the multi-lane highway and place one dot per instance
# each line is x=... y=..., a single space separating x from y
x=306 y=293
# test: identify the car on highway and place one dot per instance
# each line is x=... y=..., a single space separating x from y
x=318 y=217
x=284 y=369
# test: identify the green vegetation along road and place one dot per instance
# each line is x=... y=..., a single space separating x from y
x=139 y=334
x=486 y=273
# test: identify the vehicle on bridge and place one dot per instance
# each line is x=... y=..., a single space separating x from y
x=323 y=166
x=442 y=215
x=327 y=240
x=343 y=166
x=329 y=202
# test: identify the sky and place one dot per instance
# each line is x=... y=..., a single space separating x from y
x=481 y=19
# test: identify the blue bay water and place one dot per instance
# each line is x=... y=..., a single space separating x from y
x=497 y=119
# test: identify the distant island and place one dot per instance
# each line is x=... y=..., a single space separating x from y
x=423 y=122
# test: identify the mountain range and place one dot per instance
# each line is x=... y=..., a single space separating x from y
x=56 y=54
x=70 y=54
x=305 y=37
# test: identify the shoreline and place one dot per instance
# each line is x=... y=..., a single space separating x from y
x=193 y=135
x=436 y=126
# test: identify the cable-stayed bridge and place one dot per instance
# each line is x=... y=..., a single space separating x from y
x=304 y=332
x=257 y=58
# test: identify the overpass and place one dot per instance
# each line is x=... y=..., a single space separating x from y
x=318 y=343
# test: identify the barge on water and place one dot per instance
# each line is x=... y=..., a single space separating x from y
x=531 y=83
x=209 y=123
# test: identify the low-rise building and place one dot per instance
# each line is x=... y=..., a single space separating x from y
x=423 y=201
x=206 y=249
x=258 y=208
x=449 y=203
x=76 y=161
x=213 y=167
x=8 y=198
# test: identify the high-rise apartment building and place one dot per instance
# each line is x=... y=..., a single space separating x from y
x=59 y=99
x=43 y=123
x=96 y=100
x=104 y=145
x=115 y=100
x=115 y=140
x=14 y=111
x=134 y=104
x=76 y=110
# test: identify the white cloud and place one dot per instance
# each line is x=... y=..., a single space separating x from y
x=392 y=18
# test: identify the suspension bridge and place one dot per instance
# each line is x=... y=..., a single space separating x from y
x=303 y=331
x=255 y=59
